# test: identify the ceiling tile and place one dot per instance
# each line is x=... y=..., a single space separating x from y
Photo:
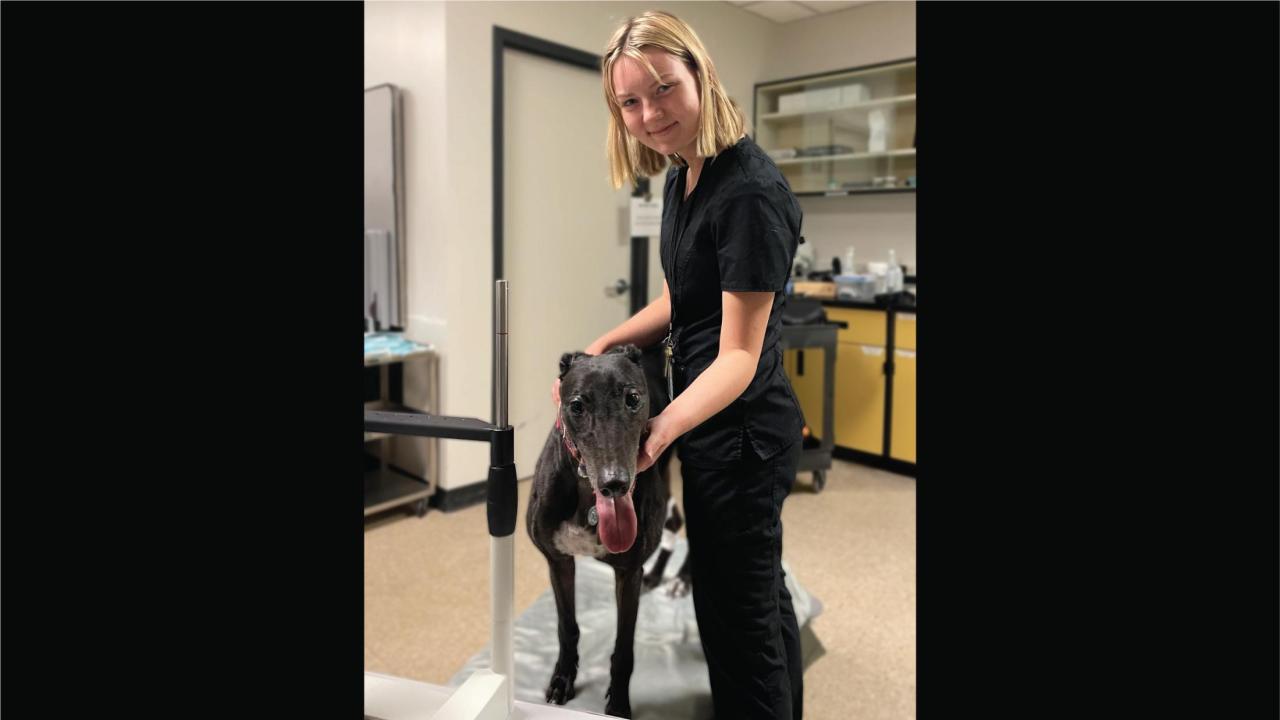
x=830 y=6
x=780 y=12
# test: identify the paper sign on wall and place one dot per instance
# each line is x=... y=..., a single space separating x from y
x=646 y=217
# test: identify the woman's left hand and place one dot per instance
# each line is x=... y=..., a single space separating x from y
x=659 y=434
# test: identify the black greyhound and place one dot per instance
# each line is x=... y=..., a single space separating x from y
x=587 y=499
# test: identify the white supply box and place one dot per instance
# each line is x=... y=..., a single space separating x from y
x=792 y=103
x=854 y=94
x=823 y=99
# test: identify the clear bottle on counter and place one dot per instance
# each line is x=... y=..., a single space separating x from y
x=893 y=276
x=878 y=272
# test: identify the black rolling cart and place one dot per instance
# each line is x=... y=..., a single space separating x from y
x=820 y=335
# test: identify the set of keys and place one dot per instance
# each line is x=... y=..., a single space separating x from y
x=666 y=365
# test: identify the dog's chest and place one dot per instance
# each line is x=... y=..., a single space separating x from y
x=574 y=539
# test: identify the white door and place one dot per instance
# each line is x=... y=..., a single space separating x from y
x=565 y=233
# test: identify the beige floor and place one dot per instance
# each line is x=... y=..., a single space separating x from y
x=853 y=546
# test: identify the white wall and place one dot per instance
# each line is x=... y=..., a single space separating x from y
x=405 y=46
x=441 y=54
x=862 y=35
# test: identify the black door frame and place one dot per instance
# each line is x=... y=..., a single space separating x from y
x=504 y=39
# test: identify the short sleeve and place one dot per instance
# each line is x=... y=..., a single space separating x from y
x=756 y=239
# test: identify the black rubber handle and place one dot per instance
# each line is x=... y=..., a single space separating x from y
x=502 y=500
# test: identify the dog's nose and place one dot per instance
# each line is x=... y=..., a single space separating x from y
x=613 y=488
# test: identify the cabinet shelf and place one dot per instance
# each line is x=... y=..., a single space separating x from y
x=907 y=65
x=885 y=91
x=386 y=488
x=859 y=108
x=905 y=152
x=408 y=468
x=855 y=191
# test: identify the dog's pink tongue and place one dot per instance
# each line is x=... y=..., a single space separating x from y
x=617 y=527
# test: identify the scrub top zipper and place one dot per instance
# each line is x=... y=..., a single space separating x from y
x=668 y=345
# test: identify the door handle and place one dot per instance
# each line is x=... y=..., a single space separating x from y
x=617 y=288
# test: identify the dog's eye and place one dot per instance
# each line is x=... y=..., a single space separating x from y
x=576 y=407
x=633 y=400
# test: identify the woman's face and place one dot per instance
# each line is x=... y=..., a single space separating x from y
x=661 y=115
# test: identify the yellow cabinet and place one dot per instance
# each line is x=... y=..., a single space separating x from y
x=808 y=386
x=860 y=396
x=861 y=390
x=902 y=439
x=904 y=331
x=866 y=327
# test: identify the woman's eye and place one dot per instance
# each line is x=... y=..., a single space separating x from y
x=662 y=88
x=628 y=102
x=633 y=400
x=576 y=407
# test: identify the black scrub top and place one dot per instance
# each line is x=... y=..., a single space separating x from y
x=737 y=231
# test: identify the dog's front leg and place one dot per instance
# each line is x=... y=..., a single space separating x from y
x=684 y=578
x=560 y=689
x=653 y=578
x=627 y=590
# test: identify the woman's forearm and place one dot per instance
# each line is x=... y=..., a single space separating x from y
x=643 y=329
x=720 y=384
x=742 y=331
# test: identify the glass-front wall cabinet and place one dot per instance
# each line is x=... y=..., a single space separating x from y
x=846 y=132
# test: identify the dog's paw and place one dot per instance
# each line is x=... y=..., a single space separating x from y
x=617 y=707
x=651 y=581
x=679 y=587
x=560 y=691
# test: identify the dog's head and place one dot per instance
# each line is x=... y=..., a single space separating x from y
x=604 y=408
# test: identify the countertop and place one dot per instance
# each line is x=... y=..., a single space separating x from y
x=862 y=305
x=899 y=304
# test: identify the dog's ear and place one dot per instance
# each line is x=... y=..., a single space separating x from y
x=567 y=359
x=630 y=351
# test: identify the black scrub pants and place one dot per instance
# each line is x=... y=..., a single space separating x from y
x=745 y=619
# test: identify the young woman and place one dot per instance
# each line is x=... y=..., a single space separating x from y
x=730 y=228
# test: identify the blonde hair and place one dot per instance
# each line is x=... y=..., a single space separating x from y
x=720 y=122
